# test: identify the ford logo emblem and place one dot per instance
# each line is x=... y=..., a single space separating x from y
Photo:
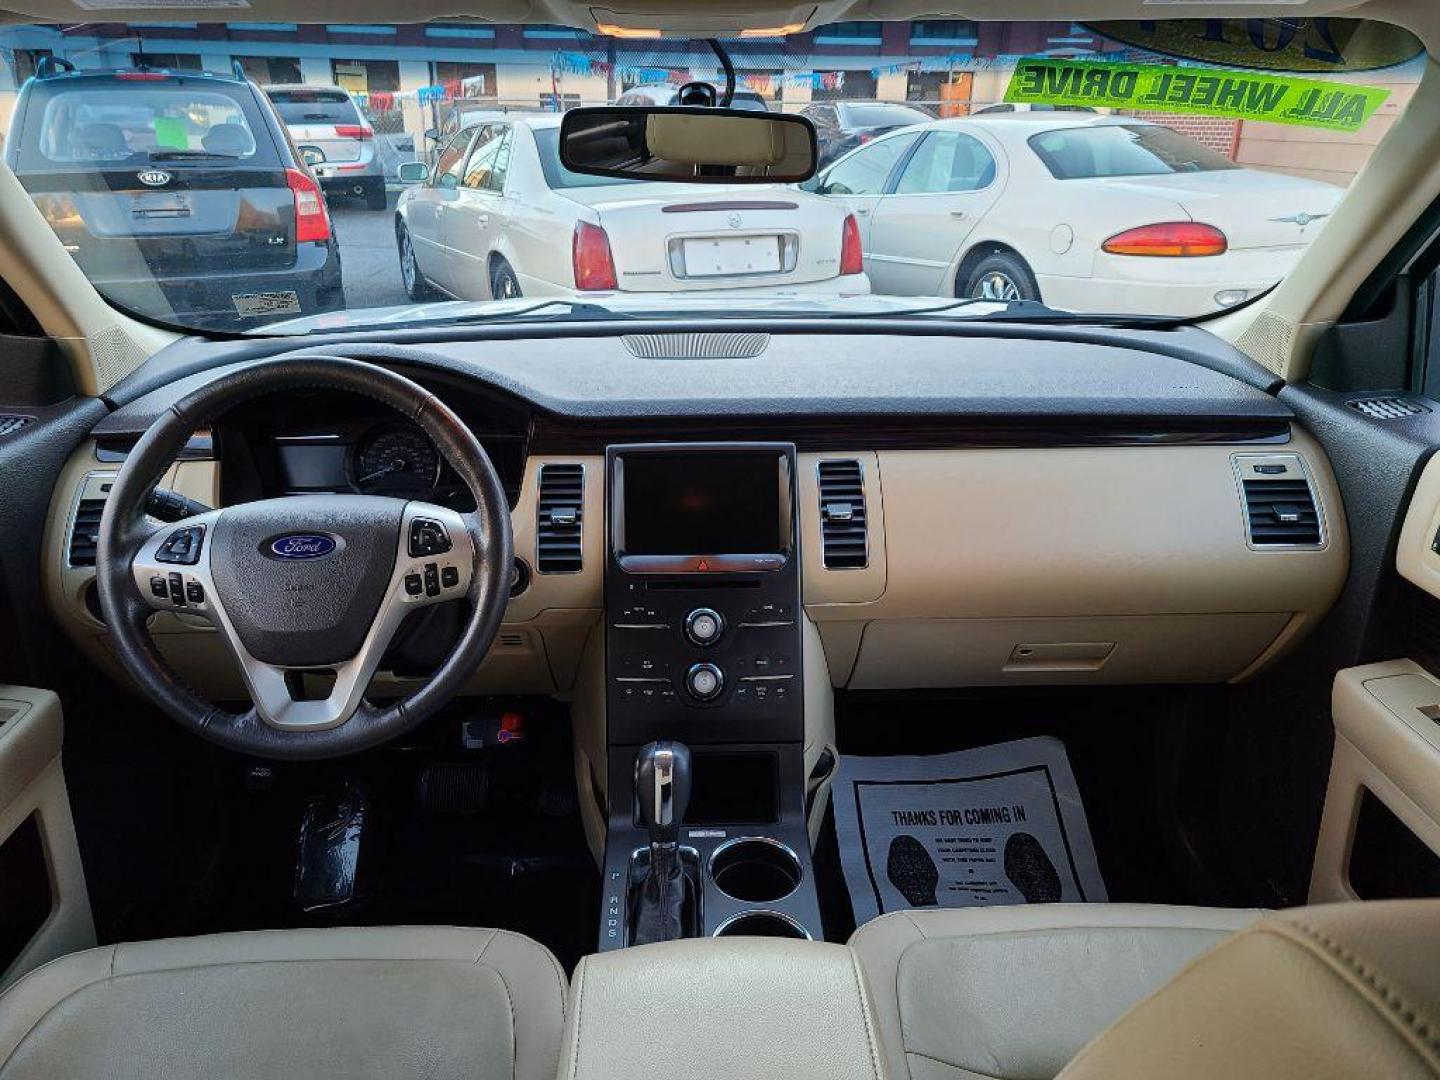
x=302 y=546
x=153 y=177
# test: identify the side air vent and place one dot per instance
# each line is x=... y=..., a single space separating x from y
x=558 y=524
x=1280 y=506
x=1388 y=408
x=85 y=532
x=9 y=425
x=842 y=515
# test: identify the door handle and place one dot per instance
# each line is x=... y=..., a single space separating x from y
x=958 y=214
x=482 y=220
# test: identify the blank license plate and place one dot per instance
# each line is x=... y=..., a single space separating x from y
x=732 y=255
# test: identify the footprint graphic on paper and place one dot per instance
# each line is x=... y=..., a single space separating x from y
x=1030 y=869
x=911 y=870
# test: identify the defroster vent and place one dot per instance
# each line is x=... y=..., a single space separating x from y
x=559 y=519
x=842 y=515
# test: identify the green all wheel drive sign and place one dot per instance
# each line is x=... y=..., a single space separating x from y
x=1243 y=95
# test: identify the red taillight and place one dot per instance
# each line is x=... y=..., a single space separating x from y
x=142 y=76
x=852 y=258
x=594 y=267
x=1173 y=239
x=312 y=220
x=864 y=137
x=353 y=131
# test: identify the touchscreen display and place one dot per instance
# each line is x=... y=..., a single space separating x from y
x=702 y=504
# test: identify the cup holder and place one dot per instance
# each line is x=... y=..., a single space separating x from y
x=755 y=870
x=762 y=924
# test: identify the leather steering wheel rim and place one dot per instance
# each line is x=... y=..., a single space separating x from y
x=124 y=531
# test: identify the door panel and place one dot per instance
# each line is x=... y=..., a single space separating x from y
x=47 y=908
x=425 y=213
x=859 y=181
x=474 y=222
x=946 y=187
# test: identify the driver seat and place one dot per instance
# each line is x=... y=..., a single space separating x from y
x=324 y=1004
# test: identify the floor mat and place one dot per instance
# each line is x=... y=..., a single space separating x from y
x=999 y=824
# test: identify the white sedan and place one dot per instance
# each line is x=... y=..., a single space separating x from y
x=499 y=217
x=1087 y=213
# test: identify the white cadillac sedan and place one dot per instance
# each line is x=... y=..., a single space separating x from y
x=1087 y=213
x=498 y=216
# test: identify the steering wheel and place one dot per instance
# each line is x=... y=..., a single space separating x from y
x=304 y=583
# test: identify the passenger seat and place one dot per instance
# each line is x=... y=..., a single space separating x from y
x=1013 y=993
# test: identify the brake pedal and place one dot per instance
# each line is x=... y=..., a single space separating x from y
x=331 y=835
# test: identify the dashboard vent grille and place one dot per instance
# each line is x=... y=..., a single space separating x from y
x=696 y=346
x=1281 y=512
x=85 y=532
x=842 y=515
x=9 y=425
x=559 y=525
x=1387 y=408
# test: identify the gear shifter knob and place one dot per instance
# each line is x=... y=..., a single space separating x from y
x=662 y=788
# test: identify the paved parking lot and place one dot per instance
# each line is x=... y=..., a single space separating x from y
x=368 y=262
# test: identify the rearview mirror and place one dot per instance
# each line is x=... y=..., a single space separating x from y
x=688 y=145
x=413 y=172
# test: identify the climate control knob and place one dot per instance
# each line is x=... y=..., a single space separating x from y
x=703 y=682
x=704 y=625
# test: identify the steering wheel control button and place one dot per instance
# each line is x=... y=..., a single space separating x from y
x=177 y=589
x=432 y=580
x=428 y=537
x=704 y=682
x=414 y=584
x=182 y=546
x=159 y=588
x=703 y=626
x=195 y=592
x=449 y=577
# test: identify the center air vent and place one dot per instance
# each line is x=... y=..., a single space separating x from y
x=85 y=532
x=558 y=519
x=842 y=515
x=1280 y=507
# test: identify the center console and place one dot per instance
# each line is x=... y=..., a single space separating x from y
x=703 y=659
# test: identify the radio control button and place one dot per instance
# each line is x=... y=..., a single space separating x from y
x=703 y=626
x=704 y=682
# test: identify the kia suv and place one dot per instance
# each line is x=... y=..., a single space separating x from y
x=181 y=184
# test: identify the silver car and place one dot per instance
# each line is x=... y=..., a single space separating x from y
x=334 y=139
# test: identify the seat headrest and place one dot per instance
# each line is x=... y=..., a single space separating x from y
x=1342 y=990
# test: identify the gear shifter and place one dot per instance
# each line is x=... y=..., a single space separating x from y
x=664 y=908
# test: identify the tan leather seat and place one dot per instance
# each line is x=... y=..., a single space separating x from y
x=1339 y=992
x=335 y=1004
x=1013 y=993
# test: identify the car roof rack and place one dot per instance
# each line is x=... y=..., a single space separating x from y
x=52 y=65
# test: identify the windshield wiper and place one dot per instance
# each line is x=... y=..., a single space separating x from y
x=190 y=155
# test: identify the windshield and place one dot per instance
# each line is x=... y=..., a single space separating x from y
x=281 y=178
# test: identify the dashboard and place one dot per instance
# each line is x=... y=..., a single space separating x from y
x=1012 y=506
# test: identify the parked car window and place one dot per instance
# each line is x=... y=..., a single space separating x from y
x=1082 y=153
x=314 y=106
x=451 y=159
x=97 y=125
x=947 y=161
x=489 y=160
x=559 y=178
x=883 y=116
x=865 y=171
